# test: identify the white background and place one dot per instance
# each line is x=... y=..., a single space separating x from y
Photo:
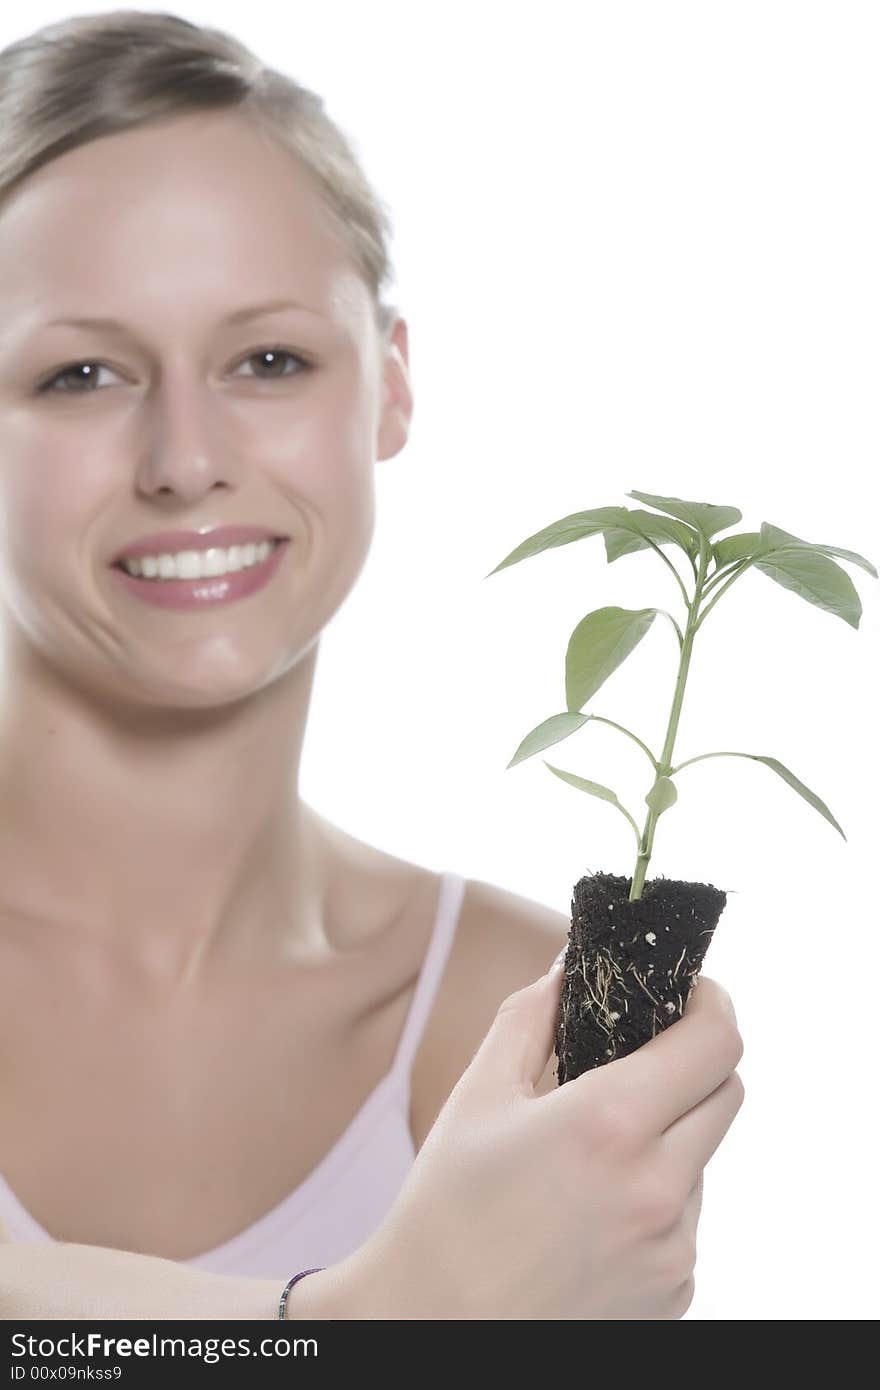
x=637 y=248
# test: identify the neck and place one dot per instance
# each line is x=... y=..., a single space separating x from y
x=175 y=838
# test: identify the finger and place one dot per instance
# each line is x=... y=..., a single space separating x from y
x=674 y=1071
x=519 y=1044
x=691 y=1141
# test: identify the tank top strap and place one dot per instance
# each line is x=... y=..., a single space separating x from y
x=451 y=894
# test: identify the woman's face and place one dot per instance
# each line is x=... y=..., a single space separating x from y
x=181 y=422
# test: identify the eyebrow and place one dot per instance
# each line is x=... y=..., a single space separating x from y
x=250 y=311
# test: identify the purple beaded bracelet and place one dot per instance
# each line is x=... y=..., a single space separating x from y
x=290 y=1283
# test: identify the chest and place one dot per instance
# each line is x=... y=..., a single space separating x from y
x=168 y=1130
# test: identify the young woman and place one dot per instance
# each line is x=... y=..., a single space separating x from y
x=227 y=1027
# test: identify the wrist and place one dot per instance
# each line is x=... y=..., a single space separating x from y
x=328 y=1295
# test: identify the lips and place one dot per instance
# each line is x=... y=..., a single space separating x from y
x=204 y=592
x=171 y=542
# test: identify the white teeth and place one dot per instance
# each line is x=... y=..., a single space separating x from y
x=200 y=564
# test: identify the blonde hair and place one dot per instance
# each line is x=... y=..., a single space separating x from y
x=95 y=75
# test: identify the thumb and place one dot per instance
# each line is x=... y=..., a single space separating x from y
x=519 y=1044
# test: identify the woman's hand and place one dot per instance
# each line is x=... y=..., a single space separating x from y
x=581 y=1203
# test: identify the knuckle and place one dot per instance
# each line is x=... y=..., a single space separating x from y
x=512 y=1003
x=730 y=1041
x=656 y=1206
x=726 y=1000
x=676 y=1265
x=674 y=1256
x=722 y=997
x=683 y=1298
x=684 y=1257
x=721 y=1021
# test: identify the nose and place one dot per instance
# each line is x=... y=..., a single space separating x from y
x=185 y=449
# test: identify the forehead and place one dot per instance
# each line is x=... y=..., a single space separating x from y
x=204 y=205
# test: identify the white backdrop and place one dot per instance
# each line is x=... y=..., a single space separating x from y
x=636 y=246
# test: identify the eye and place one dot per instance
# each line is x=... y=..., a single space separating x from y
x=88 y=381
x=275 y=355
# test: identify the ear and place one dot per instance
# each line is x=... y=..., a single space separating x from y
x=397 y=401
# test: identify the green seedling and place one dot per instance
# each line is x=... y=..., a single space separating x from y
x=605 y=638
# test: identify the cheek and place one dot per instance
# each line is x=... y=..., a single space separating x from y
x=328 y=476
x=334 y=492
x=49 y=500
x=329 y=466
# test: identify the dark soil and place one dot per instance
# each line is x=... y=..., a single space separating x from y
x=630 y=966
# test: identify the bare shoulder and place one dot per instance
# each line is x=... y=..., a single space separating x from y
x=503 y=942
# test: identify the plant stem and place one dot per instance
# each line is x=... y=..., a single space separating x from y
x=633 y=736
x=665 y=765
x=669 y=565
x=728 y=579
x=720 y=575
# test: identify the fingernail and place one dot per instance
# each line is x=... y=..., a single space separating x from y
x=559 y=961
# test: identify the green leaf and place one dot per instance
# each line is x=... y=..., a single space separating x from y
x=616 y=523
x=781 y=771
x=552 y=730
x=563 y=532
x=777 y=539
x=661 y=529
x=799 y=565
x=705 y=517
x=737 y=547
x=599 y=644
x=662 y=795
x=795 y=782
x=595 y=789
x=812 y=576
x=798 y=785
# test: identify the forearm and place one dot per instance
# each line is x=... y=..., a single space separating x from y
x=73 y=1282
